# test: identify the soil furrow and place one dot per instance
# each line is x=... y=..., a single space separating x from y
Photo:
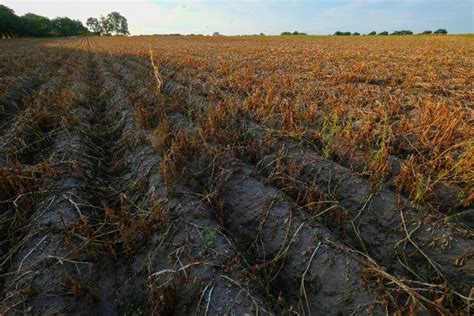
x=439 y=196
x=205 y=263
x=412 y=246
x=236 y=175
x=365 y=207
x=47 y=269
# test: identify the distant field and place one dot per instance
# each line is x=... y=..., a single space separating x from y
x=259 y=175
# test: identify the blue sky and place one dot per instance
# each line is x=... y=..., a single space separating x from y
x=267 y=16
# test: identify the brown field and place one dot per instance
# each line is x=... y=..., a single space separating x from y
x=237 y=175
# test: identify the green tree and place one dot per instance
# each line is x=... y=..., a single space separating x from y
x=440 y=31
x=372 y=33
x=67 y=27
x=37 y=25
x=402 y=32
x=94 y=25
x=293 y=33
x=339 y=33
x=10 y=23
x=118 y=23
x=105 y=26
x=112 y=23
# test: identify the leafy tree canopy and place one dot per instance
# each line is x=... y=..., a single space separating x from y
x=112 y=24
x=440 y=31
x=402 y=32
x=34 y=25
x=37 y=25
x=67 y=27
x=10 y=24
x=339 y=33
x=293 y=33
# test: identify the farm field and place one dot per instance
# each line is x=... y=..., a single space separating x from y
x=237 y=175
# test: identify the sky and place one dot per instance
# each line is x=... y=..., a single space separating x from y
x=232 y=17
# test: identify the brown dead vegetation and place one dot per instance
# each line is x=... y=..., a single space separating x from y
x=237 y=175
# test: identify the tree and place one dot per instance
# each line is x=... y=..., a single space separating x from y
x=293 y=33
x=440 y=31
x=426 y=32
x=117 y=23
x=402 y=32
x=94 y=25
x=37 y=25
x=10 y=23
x=339 y=33
x=112 y=23
x=383 y=33
x=372 y=33
x=66 y=27
x=356 y=33
x=105 y=26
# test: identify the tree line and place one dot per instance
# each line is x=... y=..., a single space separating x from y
x=293 y=33
x=402 y=32
x=33 y=25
